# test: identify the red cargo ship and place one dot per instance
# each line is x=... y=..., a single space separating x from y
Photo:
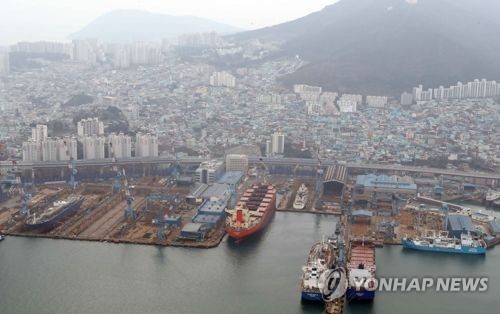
x=253 y=211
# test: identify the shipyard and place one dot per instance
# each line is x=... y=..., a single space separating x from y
x=196 y=205
x=249 y=156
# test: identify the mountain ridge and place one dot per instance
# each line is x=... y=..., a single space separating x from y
x=387 y=46
x=137 y=25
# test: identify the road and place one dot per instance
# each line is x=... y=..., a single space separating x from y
x=253 y=160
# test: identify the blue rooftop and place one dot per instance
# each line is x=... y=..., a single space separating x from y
x=383 y=181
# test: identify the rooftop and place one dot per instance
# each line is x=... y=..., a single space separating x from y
x=218 y=190
x=460 y=223
x=383 y=181
x=231 y=177
x=192 y=227
x=215 y=207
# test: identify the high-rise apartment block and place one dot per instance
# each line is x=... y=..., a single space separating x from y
x=277 y=144
x=50 y=149
x=222 y=79
x=376 y=101
x=302 y=88
x=39 y=133
x=119 y=145
x=32 y=151
x=475 y=89
x=93 y=147
x=146 y=145
x=90 y=126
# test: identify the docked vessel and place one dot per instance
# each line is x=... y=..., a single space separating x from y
x=481 y=217
x=441 y=242
x=361 y=267
x=301 y=197
x=321 y=257
x=54 y=214
x=253 y=211
x=493 y=199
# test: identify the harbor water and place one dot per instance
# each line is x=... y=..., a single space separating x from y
x=261 y=275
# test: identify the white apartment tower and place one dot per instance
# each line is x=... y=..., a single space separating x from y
x=84 y=51
x=93 y=147
x=120 y=145
x=67 y=148
x=90 y=126
x=269 y=148
x=278 y=143
x=49 y=149
x=39 y=133
x=146 y=145
x=32 y=151
x=224 y=79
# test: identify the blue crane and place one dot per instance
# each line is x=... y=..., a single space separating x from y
x=73 y=172
x=117 y=182
x=18 y=187
x=163 y=220
x=72 y=169
x=160 y=222
x=130 y=211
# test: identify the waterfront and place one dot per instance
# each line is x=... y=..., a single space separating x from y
x=258 y=276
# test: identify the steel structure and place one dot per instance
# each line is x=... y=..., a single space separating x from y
x=130 y=211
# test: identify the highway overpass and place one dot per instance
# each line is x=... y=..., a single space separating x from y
x=254 y=161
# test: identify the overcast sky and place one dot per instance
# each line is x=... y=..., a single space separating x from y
x=55 y=19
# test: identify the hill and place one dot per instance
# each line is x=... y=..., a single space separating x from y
x=387 y=46
x=131 y=25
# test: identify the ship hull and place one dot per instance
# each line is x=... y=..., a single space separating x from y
x=361 y=296
x=309 y=296
x=239 y=234
x=51 y=223
x=407 y=244
x=298 y=206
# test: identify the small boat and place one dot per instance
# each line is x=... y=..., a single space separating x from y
x=2 y=237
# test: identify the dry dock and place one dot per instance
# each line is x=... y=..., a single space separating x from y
x=101 y=217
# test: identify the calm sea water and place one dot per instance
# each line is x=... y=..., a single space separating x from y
x=258 y=276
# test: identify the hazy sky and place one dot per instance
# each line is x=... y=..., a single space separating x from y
x=55 y=19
